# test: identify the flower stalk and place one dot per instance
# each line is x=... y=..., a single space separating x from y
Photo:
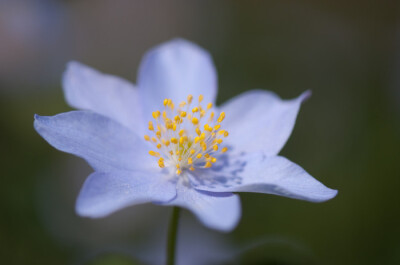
x=172 y=236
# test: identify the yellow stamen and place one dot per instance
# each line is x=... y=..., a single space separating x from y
x=156 y=154
x=189 y=99
x=208 y=164
x=221 y=117
x=195 y=121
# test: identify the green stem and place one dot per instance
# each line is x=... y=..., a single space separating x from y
x=172 y=236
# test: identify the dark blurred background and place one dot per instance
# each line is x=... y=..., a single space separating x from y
x=347 y=134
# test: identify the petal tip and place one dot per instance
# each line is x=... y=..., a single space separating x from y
x=305 y=95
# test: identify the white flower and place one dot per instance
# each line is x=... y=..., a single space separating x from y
x=199 y=153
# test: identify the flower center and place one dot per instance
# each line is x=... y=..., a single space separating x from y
x=179 y=139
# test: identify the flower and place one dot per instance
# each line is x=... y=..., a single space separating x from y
x=191 y=154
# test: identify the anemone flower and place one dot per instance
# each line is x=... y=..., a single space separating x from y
x=164 y=141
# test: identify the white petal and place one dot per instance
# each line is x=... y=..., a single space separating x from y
x=105 y=193
x=88 y=89
x=220 y=211
x=104 y=143
x=263 y=174
x=260 y=121
x=174 y=70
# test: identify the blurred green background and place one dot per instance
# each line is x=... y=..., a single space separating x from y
x=347 y=135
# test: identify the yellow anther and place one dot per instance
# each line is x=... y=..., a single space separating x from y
x=202 y=136
x=158 y=146
x=147 y=138
x=156 y=114
x=226 y=134
x=202 y=113
x=208 y=164
x=224 y=149
x=189 y=99
x=198 y=131
x=166 y=143
x=191 y=168
x=221 y=117
x=154 y=139
x=182 y=104
x=195 y=109
x=161 y=164
x=181 y=132
x=199 y=156
x=180 y=159
x=156 y=154
x=209 y=105
x=195 y=121
x=213 y=160
x=203 y=146
x=207 y=127
x=211 y=116
x=164 y=114
x=165 y=102
x=176 y=118
x=151 y=127
x=192 y=151
x=158 y=134
x=216 y=127
x=171 y=153
x=183 y=114
x=174 y=140
x=221 y=132
x=174 y=127
x=213 y=135
x=189 y=116
x=178 y=166
x=207 y=155
x=169 y=102
x=182 y=140
x=177 y=152
x=190 y=161
x=201 y=98
x=178 y=172
x=219 y=141
x=215 y=147
x=196 y=140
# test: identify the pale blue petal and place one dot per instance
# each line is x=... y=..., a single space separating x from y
x=88 y=89
x=260 y=173
x=174 y=70
x=105 y=144
x=220 y=211
x=105 y=193
x=260 y=121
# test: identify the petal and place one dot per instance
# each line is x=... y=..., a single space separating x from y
x=105 y=193
x=260 y=173
x=216 y=210
x=260 y=121
x=174 y=70
x=88 y=89
x=104 y=143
